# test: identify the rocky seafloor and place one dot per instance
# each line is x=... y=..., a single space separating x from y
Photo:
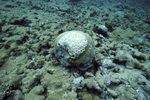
x=29 y=70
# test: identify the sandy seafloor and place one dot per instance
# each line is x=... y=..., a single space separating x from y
x=29 y=70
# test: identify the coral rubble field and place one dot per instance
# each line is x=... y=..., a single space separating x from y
x=120 y=30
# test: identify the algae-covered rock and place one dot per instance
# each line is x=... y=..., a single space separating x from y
x=4 y=55
x=70 y=96
x=31 y=80
x=58 y=85
x=16 y=95
x=126 y=92
x=87 y=97
x=74 y=48
x=112 y=92
x=88 y=74
x=35 y=94
x=122 y=35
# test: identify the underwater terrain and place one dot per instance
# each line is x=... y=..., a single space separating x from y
x=120 y=30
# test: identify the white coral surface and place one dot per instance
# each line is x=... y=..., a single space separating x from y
x=74 y=42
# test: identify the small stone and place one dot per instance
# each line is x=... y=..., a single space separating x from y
x=107 y=63
x=51 y=71
x=101 y=29
x=88 y=74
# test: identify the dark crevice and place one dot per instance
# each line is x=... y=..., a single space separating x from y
x=10 y=6
x=74 y=0
x=138 y=57
x=93 y=14
x=37 y=8
x=22 y=22
x=120 y=62
x=23 y=40
x=113 y=86
x=61 y=31
x=44 y=47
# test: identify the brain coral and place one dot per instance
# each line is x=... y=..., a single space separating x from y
x=74 y=48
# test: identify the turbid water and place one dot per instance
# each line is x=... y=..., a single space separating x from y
x=120 y=30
